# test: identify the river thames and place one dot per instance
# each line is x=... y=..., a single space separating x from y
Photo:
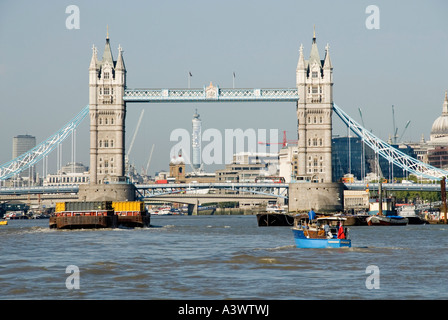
x=216 y=258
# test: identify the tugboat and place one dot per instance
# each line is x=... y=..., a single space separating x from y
x=320 y=233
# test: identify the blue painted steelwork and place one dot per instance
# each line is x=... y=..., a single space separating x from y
x=214 y=94
x=40 y=190
x=393 y=155
x=36 y=154
x=394 y=186
x=150 y=190
x=211 y=94
x=278 y=190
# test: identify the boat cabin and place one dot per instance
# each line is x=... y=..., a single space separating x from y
x=320 y=228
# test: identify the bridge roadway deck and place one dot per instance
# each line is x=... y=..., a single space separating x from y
x=196 y=198
x=73 y=189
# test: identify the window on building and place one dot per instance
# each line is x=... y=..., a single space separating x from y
x=106 y=75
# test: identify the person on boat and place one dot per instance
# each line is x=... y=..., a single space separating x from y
x=327 y=230
x=341 y=234
x=311 y=215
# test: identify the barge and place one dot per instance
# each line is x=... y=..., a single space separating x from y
x=100 y=214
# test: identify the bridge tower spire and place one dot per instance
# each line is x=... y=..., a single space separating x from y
x=314 y=78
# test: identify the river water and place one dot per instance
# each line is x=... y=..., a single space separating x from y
x=219 y=257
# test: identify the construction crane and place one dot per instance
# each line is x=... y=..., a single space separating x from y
x=283 y=143
x=133 y=140
x=149 y=160
x=404 y=130
x=396 y=137
x=362 y=119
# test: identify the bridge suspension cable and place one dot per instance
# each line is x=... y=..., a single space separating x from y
x=390 y=153
x=36 y=154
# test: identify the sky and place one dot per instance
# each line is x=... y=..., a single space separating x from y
x=44 y=65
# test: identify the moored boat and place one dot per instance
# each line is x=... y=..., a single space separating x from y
x=272 y=219
x=3 y=222
x=164 y=210
x=381 y=220
x=357 y=219
x=16 y=215
x=320 y=233
x=384 y=213
x=275 y=216
x=411 y=214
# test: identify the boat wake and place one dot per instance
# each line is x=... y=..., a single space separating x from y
x=279 y=248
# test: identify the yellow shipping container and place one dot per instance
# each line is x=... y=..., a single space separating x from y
x=60 y=207
x=128 y=206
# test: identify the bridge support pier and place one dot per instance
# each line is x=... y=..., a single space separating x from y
x=321 y=197
x=193 y=208
x=107 y=192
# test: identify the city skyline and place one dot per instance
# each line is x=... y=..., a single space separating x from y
x=249 y=44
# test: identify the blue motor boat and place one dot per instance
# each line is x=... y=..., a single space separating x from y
x=325 y=232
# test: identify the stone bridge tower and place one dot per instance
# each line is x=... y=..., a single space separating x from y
x=107 y=82
x=314 y=79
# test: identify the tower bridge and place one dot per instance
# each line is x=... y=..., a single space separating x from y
x=312 y=94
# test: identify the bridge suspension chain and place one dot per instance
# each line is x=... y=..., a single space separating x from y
x=36 y=154
x=390 y=153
